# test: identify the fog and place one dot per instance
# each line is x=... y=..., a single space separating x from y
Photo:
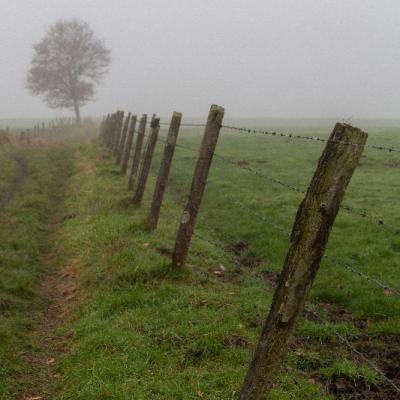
x=257 y=58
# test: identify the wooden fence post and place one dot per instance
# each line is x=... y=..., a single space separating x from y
x=128 y=147
x=165 y=166
x=144 y=172
x=310 y=234
x=118 y=127
x=112 y=130
x=189 y=216
x=138 y=152
x=107 y=130
x=123 y=139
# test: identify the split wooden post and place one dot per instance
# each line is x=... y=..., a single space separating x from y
x=138 y=152
x=128 y=147
x=165 y=167
x=148 y=157
x=310 y=234
x=123 y=139
x=189 y=215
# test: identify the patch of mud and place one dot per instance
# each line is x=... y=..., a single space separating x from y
x=126 y=202
x=382 y=351
x=272 y=278
x=245 y=260
x=235 y=341
x=242 y=163
x=164 y=251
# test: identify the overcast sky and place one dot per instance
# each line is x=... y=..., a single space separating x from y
x=266 y=58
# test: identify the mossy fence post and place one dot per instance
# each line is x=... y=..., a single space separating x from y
x=189 y=215
x=128 y=147
x=310 y=233
x=138 y=152
x=123 y=139
x=145 y=169
x=165 y=167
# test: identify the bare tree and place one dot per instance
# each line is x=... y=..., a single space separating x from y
x=66 y=65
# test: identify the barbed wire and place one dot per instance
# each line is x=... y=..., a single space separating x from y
x=308 y=138
x=351 y=210
x=243 y=206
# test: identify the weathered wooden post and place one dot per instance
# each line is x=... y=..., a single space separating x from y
x=165 y=166
x=189 y=215
x=123 y=139
x=118 y=128
x=148 y=157
x=111 y=130
x=128 y=147
x=138 y=152
x=310 y=234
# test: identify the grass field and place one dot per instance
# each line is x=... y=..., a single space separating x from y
x=141 y=330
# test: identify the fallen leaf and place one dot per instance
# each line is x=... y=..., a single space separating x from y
x=57 y=375
x=50 y=361
x=145 y=245
x=200 y=393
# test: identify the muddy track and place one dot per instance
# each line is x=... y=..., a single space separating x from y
x=18 y=182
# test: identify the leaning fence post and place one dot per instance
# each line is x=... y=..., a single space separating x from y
x=123 y=139
x=138 y=152
x=165 y=166
x=189 y=216
x=144 y=173
x=310 y=234
x=128 y=147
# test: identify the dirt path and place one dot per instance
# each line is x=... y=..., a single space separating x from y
x=59 y=290
x=58 y=293
x=17 y=184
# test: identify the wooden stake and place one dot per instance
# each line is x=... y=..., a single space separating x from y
x=144 y=173
x=118 y=128
x=123 y=139
x=165 y=167
x=128 y=147
x=310 y=234
x=189 y=216
x=138 y=152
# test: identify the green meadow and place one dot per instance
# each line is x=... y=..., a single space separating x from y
x=138 y=328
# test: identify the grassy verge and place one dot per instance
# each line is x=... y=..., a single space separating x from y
x=146 y=331
x=24 y=237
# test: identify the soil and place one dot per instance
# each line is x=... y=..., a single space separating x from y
x=382 y=351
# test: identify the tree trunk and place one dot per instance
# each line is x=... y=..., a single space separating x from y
x=77 y=111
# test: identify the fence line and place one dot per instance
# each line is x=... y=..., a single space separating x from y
x=349 y=209
x=339 y=131
x=307 y=138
